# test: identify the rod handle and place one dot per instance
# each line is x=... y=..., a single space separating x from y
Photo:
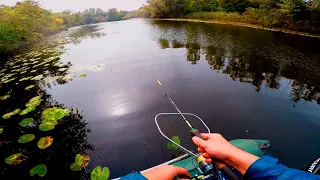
x=226 y=170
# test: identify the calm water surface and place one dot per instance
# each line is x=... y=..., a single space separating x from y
x=244 y=83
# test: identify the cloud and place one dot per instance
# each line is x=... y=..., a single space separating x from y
x=80 y=5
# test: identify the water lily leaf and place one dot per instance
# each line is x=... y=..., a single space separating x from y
x=47 y=126
x=8 y=115
x=33 y=71
x=40 y=170
x=34 y=102
x=75 y=167
x=27 y=110
x=1 y=130
x=26 y=122
x=8 y=80
x=29 y=87
x=14 y=159
x=67 y=77
x=45 y=142
x=26 y=78
x=39 y=77
x=83 y=75
x=54 y=114
x=173 y=146
x=62 y=69
x=26 y=138
x=100 y=174
x=5 y=96
x=81 y=161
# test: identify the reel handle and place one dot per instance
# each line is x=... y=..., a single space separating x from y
x=226 y=170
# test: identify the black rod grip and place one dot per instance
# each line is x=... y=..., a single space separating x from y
x=196 y=132
x=227 y=171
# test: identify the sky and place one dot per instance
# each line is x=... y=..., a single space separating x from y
x=80 y=5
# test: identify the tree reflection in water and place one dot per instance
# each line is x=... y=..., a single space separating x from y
x=227 y=52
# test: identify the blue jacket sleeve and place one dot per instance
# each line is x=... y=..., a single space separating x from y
x=268 y=168
x=133 y=176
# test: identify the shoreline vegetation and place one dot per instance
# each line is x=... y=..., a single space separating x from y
x=289 y=16
x=27 y=22
x=241 y=24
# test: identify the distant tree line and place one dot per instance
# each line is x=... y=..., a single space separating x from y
x=27 y=22
x=299 y=15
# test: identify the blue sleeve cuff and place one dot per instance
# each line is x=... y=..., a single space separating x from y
x=133 y=176
x=267 y=167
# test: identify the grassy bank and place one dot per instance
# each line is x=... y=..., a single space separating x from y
x=244 y=25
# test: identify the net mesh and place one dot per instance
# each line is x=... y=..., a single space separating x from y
x=174 y=127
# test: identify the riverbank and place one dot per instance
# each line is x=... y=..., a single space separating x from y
x=244 y=25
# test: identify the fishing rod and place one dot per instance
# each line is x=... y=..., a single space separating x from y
x=205 y=167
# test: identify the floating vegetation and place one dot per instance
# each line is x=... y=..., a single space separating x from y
x=29 y=87
x=100 y=174
x=6 y=96
x=39 y=77
x=10 y=114
x=52 y=79
x=67 y=77
x=40 y=170
x=83 y=75
x=26 y=138
x=173 y=146
x=26 y=122
x=26 y=78
x=45 y=142
x=14 y=159
x=6 y=80
x=47 y=126
x=81 y=161
x=62 y=69
x=27 y=110
x=35 y=101
x=51 y=116
x=33 y=71
x=1 y=130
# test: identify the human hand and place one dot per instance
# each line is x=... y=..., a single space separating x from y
x=214 y=145
x=165 y=172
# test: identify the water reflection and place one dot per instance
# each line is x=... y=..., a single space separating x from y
x=244 y=61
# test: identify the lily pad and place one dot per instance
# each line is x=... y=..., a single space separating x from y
x=39 y=77
x=173 y=146
x=62 y=69
x=14 y=159
x=33 y=71
x=40 y=170
x=26 y=138
x=8 y=115
x=26 y=78
x=27 y=110
x=83 y=75
x=81 y=161
x=45 y=142
x=5 y=96
x=34 y=102
x=100 y=174
x=8 y=80
x=26 y=122
x=54 y=114
x=29 y=87
x=1 y=130
x=47 y=126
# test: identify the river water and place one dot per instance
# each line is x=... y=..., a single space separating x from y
x=244 y=83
